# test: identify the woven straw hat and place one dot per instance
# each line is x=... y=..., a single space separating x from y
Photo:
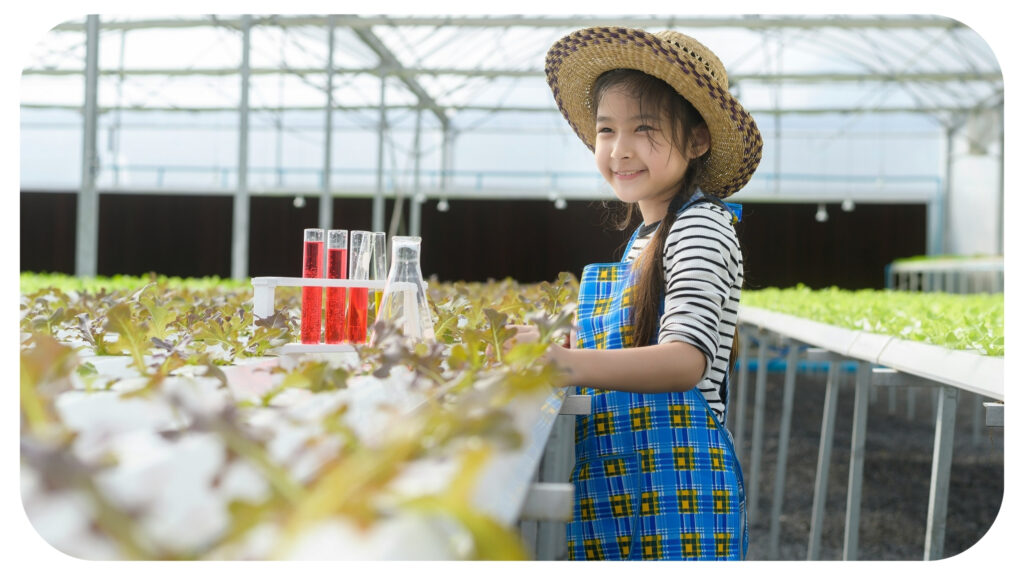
x=574 y=63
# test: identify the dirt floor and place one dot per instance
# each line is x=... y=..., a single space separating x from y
x=897 y=471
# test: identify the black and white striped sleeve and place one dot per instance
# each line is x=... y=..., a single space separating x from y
x=703 y=270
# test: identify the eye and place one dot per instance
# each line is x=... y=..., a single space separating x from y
x=604 y=130
x=645 y=128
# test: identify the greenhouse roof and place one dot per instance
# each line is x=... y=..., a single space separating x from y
x=449 y=64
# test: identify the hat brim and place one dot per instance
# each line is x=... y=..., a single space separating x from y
x=574 y=63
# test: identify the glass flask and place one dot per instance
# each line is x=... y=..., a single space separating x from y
x=405 y=298
x=360 y=251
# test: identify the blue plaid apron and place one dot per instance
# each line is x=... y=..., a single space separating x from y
x=656 y=476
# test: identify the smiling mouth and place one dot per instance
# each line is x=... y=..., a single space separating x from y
x=627 y=174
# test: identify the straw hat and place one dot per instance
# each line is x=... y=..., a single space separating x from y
x=574 y=63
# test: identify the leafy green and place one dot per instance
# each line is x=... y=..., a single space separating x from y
x=954 y=321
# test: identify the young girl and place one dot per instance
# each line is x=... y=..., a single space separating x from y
x=656 y=476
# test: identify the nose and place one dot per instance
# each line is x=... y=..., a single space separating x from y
x=622 y=148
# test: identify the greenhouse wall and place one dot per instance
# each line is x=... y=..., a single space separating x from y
x=474 y=240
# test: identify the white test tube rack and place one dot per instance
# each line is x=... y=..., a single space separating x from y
x=263 y=305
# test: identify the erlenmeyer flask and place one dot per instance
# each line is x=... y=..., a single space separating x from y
x=405 y=299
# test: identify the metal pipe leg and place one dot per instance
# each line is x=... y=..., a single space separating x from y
x=740 y=410
x=942 y=460
x=860 y=424
x=828 y=426
x=778 y=493
x=757 y=441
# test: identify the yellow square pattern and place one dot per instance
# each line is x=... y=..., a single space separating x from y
x=691 y=545
x=602 y=306
x=622 y=506
x=626 y=332
x=625 y=542
x=649 y=503
x=722 y=543
x=717 y=458
x=652 y=547
x=687 y=500
x=604 y=423
x=683 y=458
x=601 y=340
x=608 y=275
x=587 y=509
x=721 y=500
x=679 y=415
x=614 y=467
x=710 y=421
x=627 y=297
x=592 y=547
x=640 y=418
x=646 y=460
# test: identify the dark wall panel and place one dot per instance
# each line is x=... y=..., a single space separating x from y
x=173 y=235
x=784 y=245
x=48 y=232
x=474 y=240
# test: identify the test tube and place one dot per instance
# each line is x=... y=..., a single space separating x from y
x=379 y=270
x=312 y=297
x=337 y=268
x=359 y=269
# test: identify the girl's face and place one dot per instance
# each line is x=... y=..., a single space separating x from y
x=635 y=154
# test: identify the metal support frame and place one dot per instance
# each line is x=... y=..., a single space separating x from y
x=378 y=196
x=757 y=439
x=87 y=230
x=779 y=491
x=860 y=424
x=549 y=504
x=828 y=426
x=415 y=207
x=326 y=214
x=240 y=212
x=993 y=414
x=742 y=375
x=942 y=461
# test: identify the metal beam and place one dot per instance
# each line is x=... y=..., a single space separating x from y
x=942 y=461
x=240 y=212
x=475 y=108
x=753 y=22
x=326 y=213
x=87 y=231
x=390 y=63
x=801 y=78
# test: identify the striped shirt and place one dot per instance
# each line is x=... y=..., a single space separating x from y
x=704 y=275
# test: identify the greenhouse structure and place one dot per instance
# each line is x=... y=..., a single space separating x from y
x=187 y=393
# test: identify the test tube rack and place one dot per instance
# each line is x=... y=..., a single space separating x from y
x=263 y=305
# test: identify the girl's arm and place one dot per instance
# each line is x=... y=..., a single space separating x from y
x=673 y=366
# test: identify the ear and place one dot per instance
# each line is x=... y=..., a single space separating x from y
x=701 y=142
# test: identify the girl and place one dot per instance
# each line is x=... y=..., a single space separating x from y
x=655 y=474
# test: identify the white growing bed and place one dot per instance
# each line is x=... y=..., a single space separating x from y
x=171 y=481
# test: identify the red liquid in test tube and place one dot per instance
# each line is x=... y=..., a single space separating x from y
x=312 y=297
x=337 y=268
x=357 y=302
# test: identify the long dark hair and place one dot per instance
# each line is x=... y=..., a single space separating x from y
x=683 y=120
